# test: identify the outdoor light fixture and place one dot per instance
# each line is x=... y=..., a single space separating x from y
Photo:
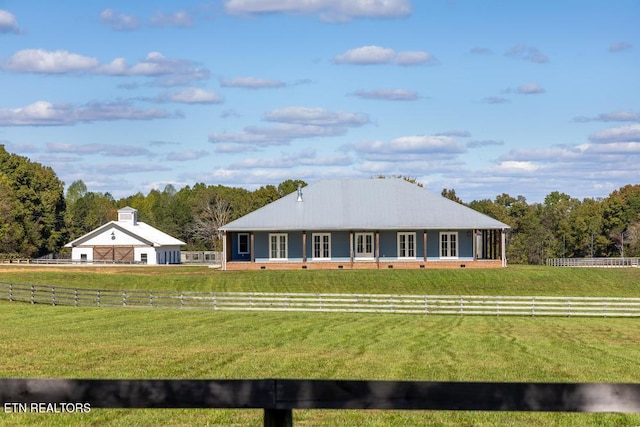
x=113 y=235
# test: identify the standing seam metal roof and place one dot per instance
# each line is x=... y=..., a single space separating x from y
x=363 y=204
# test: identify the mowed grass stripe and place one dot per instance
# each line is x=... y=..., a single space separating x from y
x=61 y=342
x=45 y=341
x=69 y=342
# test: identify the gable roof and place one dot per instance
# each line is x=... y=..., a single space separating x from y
x=144 y=232
x=363 y=204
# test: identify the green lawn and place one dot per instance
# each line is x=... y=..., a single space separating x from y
x=67 y=342
x=514 y=280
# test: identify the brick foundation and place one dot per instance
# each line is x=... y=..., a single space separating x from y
x=362 y=265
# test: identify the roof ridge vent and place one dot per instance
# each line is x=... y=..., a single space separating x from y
x=299 y=199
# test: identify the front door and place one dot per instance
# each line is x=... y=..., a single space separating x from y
x=364 y=245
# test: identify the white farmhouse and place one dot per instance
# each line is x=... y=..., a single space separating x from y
x=126 y=241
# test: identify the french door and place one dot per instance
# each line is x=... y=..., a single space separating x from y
x=364 y=245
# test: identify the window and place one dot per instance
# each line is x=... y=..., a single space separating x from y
x=364 y=245
x=406 y=245
x=449 y=245
x=243 y=243
x=143 y=258
x=321 y=246
x=278 y=246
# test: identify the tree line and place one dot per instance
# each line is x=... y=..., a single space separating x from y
x=37 y=216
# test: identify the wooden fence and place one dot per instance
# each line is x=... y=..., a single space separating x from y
x=278 y=397
x=313 y=302
x=593 y=262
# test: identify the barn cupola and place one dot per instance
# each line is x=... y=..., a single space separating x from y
x=128 y=215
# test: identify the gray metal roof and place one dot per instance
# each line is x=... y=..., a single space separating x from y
x=363 y=204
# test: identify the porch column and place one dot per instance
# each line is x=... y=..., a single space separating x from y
x=377 y=249
x=503 y=244
x=474 y=236
x=351 y=248
x=304 y=246
x=224 y=250
x=252 y=248
x=424 y=245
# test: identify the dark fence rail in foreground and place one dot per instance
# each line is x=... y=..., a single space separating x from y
x=337 y=303
x=593 y=262
x=278 y=397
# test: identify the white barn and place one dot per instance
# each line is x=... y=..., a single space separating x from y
x=126 y=241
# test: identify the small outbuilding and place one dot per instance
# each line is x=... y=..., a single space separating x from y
x=363 y=223
x=126 y=241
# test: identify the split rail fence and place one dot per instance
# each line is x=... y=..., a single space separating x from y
x=594 y=262
x=315 y=302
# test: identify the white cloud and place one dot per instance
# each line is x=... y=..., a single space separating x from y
x=387 y=94
x=580 y=166
x=291 y=123
x=588 y=168
x=624 y=148
x=103 y=149
x=101 y=111
x=49 y=62
x=194 y=96
x=376 y=55
x=527 y=53
x=307 y=157
x=44 y=113
x=315 y=117
x=112 y=169
x=180 y=19
x=510 y=166
x=619 y=46
x=327 y=10
x=183 y=156
x=484 y=143
x=280 y=134
x=366 y=55
x=172 y=71
x=495 y=100
x=288 y=131
x=628 y=133
x=415 y=58
x=455 y=132
x=8 y=23
x=553 y=154
x=118 y=21
x=252 y=83
x=616 y=116
x=530 y=89
x=409 y=148
x=38 y=113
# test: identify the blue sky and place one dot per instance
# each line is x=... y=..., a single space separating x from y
x=490 y=97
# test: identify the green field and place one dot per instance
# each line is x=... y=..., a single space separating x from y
x=515 y=280
x=66 y=342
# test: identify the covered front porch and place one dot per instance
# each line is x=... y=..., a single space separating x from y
x=364 y=249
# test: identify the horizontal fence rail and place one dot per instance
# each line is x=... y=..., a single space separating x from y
x=278 y=397
x=315 y=302
x=593 y=262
